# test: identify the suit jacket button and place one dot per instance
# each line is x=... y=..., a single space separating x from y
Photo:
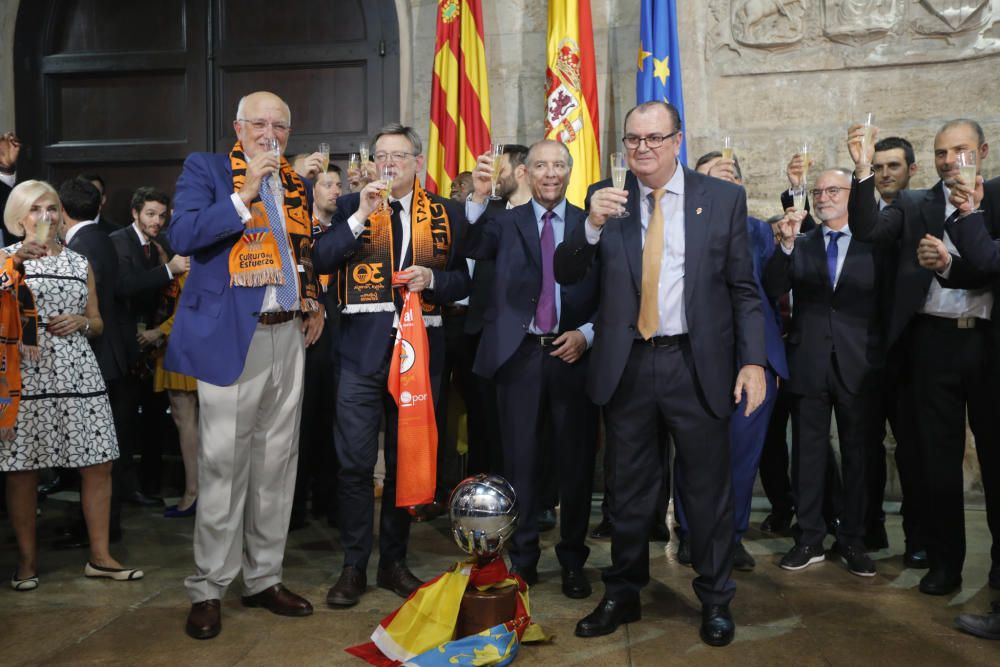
x=631 y=327
x=535 y=300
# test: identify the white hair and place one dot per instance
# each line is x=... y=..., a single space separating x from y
x=239 y=108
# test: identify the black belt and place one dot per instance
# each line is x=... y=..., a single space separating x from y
x=279 y=317
x=545 y=340
x=952 y=322
x=663 y=341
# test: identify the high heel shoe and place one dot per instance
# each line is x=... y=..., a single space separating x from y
x=173 y=512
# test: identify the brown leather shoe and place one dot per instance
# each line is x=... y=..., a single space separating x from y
x=204 y=621
x=348 y=589
x=279 y=600
x=398 y=579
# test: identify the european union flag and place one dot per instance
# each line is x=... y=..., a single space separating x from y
x=659 y=63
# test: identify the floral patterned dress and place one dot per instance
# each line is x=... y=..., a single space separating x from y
x=64 y=418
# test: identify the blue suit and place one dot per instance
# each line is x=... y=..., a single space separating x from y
x=746 y=434
x=534 y=389
x=214 y=322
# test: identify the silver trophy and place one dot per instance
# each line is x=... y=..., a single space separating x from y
x=483 y=511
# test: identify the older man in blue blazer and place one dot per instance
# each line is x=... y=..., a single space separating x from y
x=240 y=332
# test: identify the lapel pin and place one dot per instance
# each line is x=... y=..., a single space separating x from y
x=697 y=211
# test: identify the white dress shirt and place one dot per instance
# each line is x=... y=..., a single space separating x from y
x=77 y=227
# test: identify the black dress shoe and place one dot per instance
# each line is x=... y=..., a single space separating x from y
x=916 y=559
x=348 y=589
x=142 y=500
x=55 y=485
x=659 y=533
x=940 y=582
x=995 y=577
x=527 y=572
x=608 y=616
x=575 y=584
x=204 y=621
x=546 y=520
x=684 y=551
x=986 y=626
x=397 y=578
x=602 y=531
x=876 y=537
x=776 y=522
x=717 y=628
x=279 y=600
x=742 y=560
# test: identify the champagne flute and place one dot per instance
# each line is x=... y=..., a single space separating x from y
x=799 y=196
x=42 y=228
x=275 y=147
x=324 y=151
x=727 y=148
x=363 y=152
x=967 y=167
x=385 y=174
x=496 y=152
x=868 y=121
x=804 y=152
x=618 y=170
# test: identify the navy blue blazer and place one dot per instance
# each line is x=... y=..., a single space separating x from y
x=761 y=249
x=512 y=239
x=214 y=322
x=721 y=299
x=851 y=320
x=365 y=338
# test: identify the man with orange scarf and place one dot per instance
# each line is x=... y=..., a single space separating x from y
x=245 y=316
x=409 y=239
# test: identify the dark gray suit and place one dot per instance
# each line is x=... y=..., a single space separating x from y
x=687 y=381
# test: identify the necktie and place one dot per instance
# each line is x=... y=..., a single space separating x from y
x=287 y=293
x=545 y=311
x=397 y=234
x=831 y=256
x=652 y=255
x=147 y=251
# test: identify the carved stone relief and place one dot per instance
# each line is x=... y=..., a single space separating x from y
x=759 y=36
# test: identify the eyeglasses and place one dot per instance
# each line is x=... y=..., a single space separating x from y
x=829 y=192
x=652 y=140
x=260 y=125
x=397 y=156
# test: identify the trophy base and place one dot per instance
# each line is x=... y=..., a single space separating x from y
x=481 y=610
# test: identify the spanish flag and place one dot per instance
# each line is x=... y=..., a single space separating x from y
x=571 y=101
x=460 y=96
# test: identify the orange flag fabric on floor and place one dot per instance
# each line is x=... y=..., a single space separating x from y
x=410 y=386
x=571 y=100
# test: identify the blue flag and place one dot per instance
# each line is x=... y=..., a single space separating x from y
x=659 y=64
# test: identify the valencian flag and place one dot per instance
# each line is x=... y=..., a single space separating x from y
x=659 y=68
x=460 y=96
x=571 y=100
x=410 y=385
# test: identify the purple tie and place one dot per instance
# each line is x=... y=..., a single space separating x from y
x=545 y=312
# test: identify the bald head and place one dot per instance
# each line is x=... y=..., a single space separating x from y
x=260 y=117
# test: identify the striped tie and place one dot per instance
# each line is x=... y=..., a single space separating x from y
x=288 y=292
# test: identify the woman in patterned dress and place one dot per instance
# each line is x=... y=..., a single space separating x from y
x=64 y=418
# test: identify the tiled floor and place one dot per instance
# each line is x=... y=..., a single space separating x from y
x=820 y=616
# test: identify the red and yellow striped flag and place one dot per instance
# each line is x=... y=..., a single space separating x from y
x=571 y=102
x=460 y=96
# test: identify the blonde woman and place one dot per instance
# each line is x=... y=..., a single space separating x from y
x=64 y=419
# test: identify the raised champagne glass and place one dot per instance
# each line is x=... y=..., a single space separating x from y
x=385 y=174
x=727 y=148
x=868 y=122
x=275 y=147
x=363 y=152
x=42 y=228
x=967 y=167
x=618 y=170
x=804 y=152
x=799 y=196
x=324 y=151
x=496 y=152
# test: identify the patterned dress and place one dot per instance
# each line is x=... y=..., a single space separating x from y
x=64 y=418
